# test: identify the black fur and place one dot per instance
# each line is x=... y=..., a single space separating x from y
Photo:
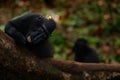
x=37 y=27
x=84 y=53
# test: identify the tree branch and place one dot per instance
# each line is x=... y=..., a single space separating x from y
x=17 y=58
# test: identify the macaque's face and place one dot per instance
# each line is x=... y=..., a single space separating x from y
x=37 y=35
x=41 y=31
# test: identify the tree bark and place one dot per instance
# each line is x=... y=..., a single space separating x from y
x=19 y=61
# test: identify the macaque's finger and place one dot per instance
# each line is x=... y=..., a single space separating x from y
x=29 y=39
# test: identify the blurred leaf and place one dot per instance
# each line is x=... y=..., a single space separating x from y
x=60 y=56
x=57 y=39
x=2 y=27
x=118 y=9
x=93 y=40
x=17 y=1
x=108 y=29
x=117 y=58
x=83 y=32
x=117 y=41
x=117 y=24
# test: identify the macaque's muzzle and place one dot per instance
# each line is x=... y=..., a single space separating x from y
x=42 y=33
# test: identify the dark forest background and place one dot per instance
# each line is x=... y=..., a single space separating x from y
x=96 y=20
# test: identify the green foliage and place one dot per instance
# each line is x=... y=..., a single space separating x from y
x=114 y=28
x=73 y=20
x=94 y=40
x=59 y=44
x=81 y=20
x=108 y=29
x=118 y=8
x=117 y=58
x=117 y=24
x=60 y=56
x=2 y=27
x=83 y=32
x=57 y=39
x=117 y=41
x=77 y=22
x=17 y=1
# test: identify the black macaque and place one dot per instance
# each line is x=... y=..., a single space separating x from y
x=32 y=31
x=84 y=53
